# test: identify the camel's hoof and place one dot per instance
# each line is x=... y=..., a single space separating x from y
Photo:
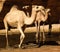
x=19 y=46
x=23 y=47
x=16 y=46
x=8 y=47
x=40 y=44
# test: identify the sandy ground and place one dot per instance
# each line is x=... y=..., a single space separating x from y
x=44 y=48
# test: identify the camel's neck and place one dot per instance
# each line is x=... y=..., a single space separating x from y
x=30 y=20
x=46 y=16
x=33 y=14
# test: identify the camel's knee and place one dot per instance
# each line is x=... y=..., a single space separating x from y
x=36 y=35
x=22 y=36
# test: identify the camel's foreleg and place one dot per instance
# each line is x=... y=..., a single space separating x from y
x=22 y=35
x=6 y=27
x=36 y=31
x=43 y=34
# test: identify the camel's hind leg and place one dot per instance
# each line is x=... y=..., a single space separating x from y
x=6 y=27
x=43 y=35
x=40 y=36
x=22 y=36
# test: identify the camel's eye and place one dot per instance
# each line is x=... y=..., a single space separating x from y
x=37 y=7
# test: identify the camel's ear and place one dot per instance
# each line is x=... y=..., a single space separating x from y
x=47 y=10
x=50 y=14
x=25 y=7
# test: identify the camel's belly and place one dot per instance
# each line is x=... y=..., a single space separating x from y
x=13 y=24
x=12 y=21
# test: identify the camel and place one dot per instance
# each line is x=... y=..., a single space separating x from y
x=17 y=18
x=41 y=16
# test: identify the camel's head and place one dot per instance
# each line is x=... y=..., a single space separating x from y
x=41 y=7
x=37 y=8
x=34 y=7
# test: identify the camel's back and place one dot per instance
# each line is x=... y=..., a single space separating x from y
x=13 y=16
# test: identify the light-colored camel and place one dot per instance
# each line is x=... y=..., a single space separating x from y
x=17 y=18
x=41 y=16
